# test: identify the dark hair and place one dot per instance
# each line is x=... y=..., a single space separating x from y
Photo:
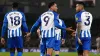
x=51 y=4
x=81 y=3
x=15 y=5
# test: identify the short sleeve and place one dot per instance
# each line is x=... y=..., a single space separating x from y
x=78 y=17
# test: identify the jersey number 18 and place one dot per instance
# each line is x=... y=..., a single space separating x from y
x=15 y=20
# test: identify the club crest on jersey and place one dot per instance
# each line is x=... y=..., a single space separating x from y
x=76 y=18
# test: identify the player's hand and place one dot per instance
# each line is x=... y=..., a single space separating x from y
x=79 y=41
x=73 y=34
x=63 y=41
x=70 y=29
x=27 y=36
x=2 y=41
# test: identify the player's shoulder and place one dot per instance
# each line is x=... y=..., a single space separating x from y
x=15 y=11
x=85 y=13
x=79 y=13
x=50 y=13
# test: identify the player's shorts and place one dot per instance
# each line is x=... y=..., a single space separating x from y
x=43 y=46
x=57 y=45
x=86 y=41
x=50 y=42
x=15 y=42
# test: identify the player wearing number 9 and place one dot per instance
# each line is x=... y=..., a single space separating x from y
x=83 y=35
x=48 y=21
x=13 y=22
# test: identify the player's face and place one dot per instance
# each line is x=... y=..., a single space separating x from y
x=78 y=7
x=54 y=7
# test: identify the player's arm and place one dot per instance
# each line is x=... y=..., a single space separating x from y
x=35 y=26
x=24 y=25
x=38 y=32
x=78 y=20
x=78 y=28
x=56 y=23
x=63 y=33
x=4 y=28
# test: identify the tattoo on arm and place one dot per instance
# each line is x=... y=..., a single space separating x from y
x=78 y=28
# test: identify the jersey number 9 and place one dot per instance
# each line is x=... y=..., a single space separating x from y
x=15 y=20
x=46 y=20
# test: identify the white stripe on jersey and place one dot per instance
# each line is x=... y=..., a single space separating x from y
x=14 y=33
x=48 y=33
x=17 y=32
x=85 y=33
x=82 y=33
x=10 y=33
x=20 y=32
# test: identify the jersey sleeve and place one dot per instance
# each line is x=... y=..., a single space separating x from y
x=24 y=25
x=56 y=23
x=36 y=25
x=78 y=17
x=63 y=31
x=4 y=27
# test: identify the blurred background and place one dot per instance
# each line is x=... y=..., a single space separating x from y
x=66 y=9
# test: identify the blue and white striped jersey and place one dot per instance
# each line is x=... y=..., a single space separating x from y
x=85 y=18
x=58 y=31
x=48 y=22
x=13 y=21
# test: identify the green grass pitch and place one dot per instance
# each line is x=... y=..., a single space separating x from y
x=38 y=54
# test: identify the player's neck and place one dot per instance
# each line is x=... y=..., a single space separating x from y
x=81 y=10
x=50 y=10
x=14 y=9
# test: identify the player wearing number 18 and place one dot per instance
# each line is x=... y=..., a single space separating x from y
x=83 y=35
x=13 y=21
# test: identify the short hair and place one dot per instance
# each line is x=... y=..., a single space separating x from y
x=81 y=3
x=15 y=5
x=51 y=4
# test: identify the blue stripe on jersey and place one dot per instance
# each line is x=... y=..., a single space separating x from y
x=15 y=32
x=48 y=33
x=88 y=33
x=12 y=33
x=44 y=33
x=84 y=33
x=19 y=31
x=51 y=32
